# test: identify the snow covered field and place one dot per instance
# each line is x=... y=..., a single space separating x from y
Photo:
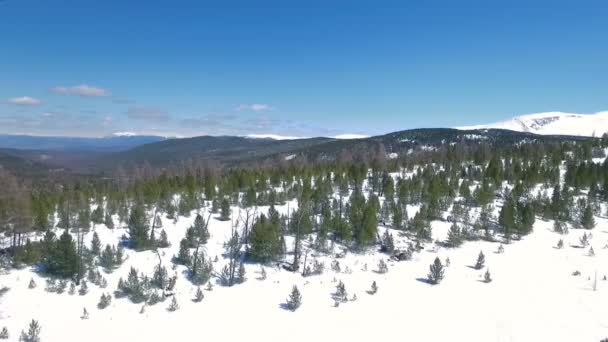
x=533 y=296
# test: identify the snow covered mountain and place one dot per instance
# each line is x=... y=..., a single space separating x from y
x=554 y=123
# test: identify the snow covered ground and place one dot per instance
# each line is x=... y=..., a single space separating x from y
x=533 y=296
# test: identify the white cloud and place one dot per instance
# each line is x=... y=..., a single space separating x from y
x=24 y=101
x=148 y=114
x=256 y=107
x=81 y=90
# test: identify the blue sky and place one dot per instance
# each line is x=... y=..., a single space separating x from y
x=303 y=68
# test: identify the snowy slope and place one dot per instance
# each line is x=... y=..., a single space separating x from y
x=554 y=123
x=533 y=296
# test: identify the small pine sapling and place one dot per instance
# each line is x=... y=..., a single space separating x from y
x=4 y=334
x=436 y=272
x=84 y=289
x=32 y=284
x=295 y=299
x=33 y=333
x=487 y=277
x=173 y=306
x=560 y=244
x=198 y=297
x=481 y=260
x=591 y=252
x=262 y=273
x=341 y=294
x=501 y=249
x=85 y=314
x=382 y=266
x=373 y=289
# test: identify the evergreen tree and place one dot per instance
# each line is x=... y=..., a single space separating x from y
x=587 y=219
x=265 y=240
x=138 y=228
x=436 y=273
x=225 y=210
x=33 y=333
x=183 y=256
x=454 y=235
x=295 y=299
x=163 y=241
x=95 y=244
x=481 y=259
x=374 y=288
x=199 y=295
x=4 y=334
x=173 y=306
x=486 y=277
x=104 y=301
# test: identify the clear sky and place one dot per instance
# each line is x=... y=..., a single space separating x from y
x=303 y=68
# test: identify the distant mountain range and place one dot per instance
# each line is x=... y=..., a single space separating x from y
x=555 y=123
x=35 y=155
x=115 y=143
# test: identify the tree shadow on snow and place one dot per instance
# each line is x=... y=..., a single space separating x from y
x=424 y=280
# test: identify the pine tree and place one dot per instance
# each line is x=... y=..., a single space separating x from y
x=587 y=220
x=295 y=299
x=183 y=256
x=501 y=249
x=33 y=333
x=382 y=266
x=225 y=210
x=341 y=295
x=481 y=259
x=173 y=306
x=560 y=244
x=108 y=221
x=104 y=301
x=4 y=334
x=95 y=244
x=454 y=235
x=199 y=295
x=436 y=273
x=373 y=289
x=138 y=228
x=32 y=284
x=84 y=289
x=85 y=314
x=163 y=241
x=486 y=277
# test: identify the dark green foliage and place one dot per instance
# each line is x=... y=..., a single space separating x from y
x=225 y=210
x=183 y=257
x=587 y=219
x=200 y=270
x=61 y=258
x=388 y=244
x=454 y=235
x=265 y=240
x=139 y=231
x=436 y=273
x=95 y=244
